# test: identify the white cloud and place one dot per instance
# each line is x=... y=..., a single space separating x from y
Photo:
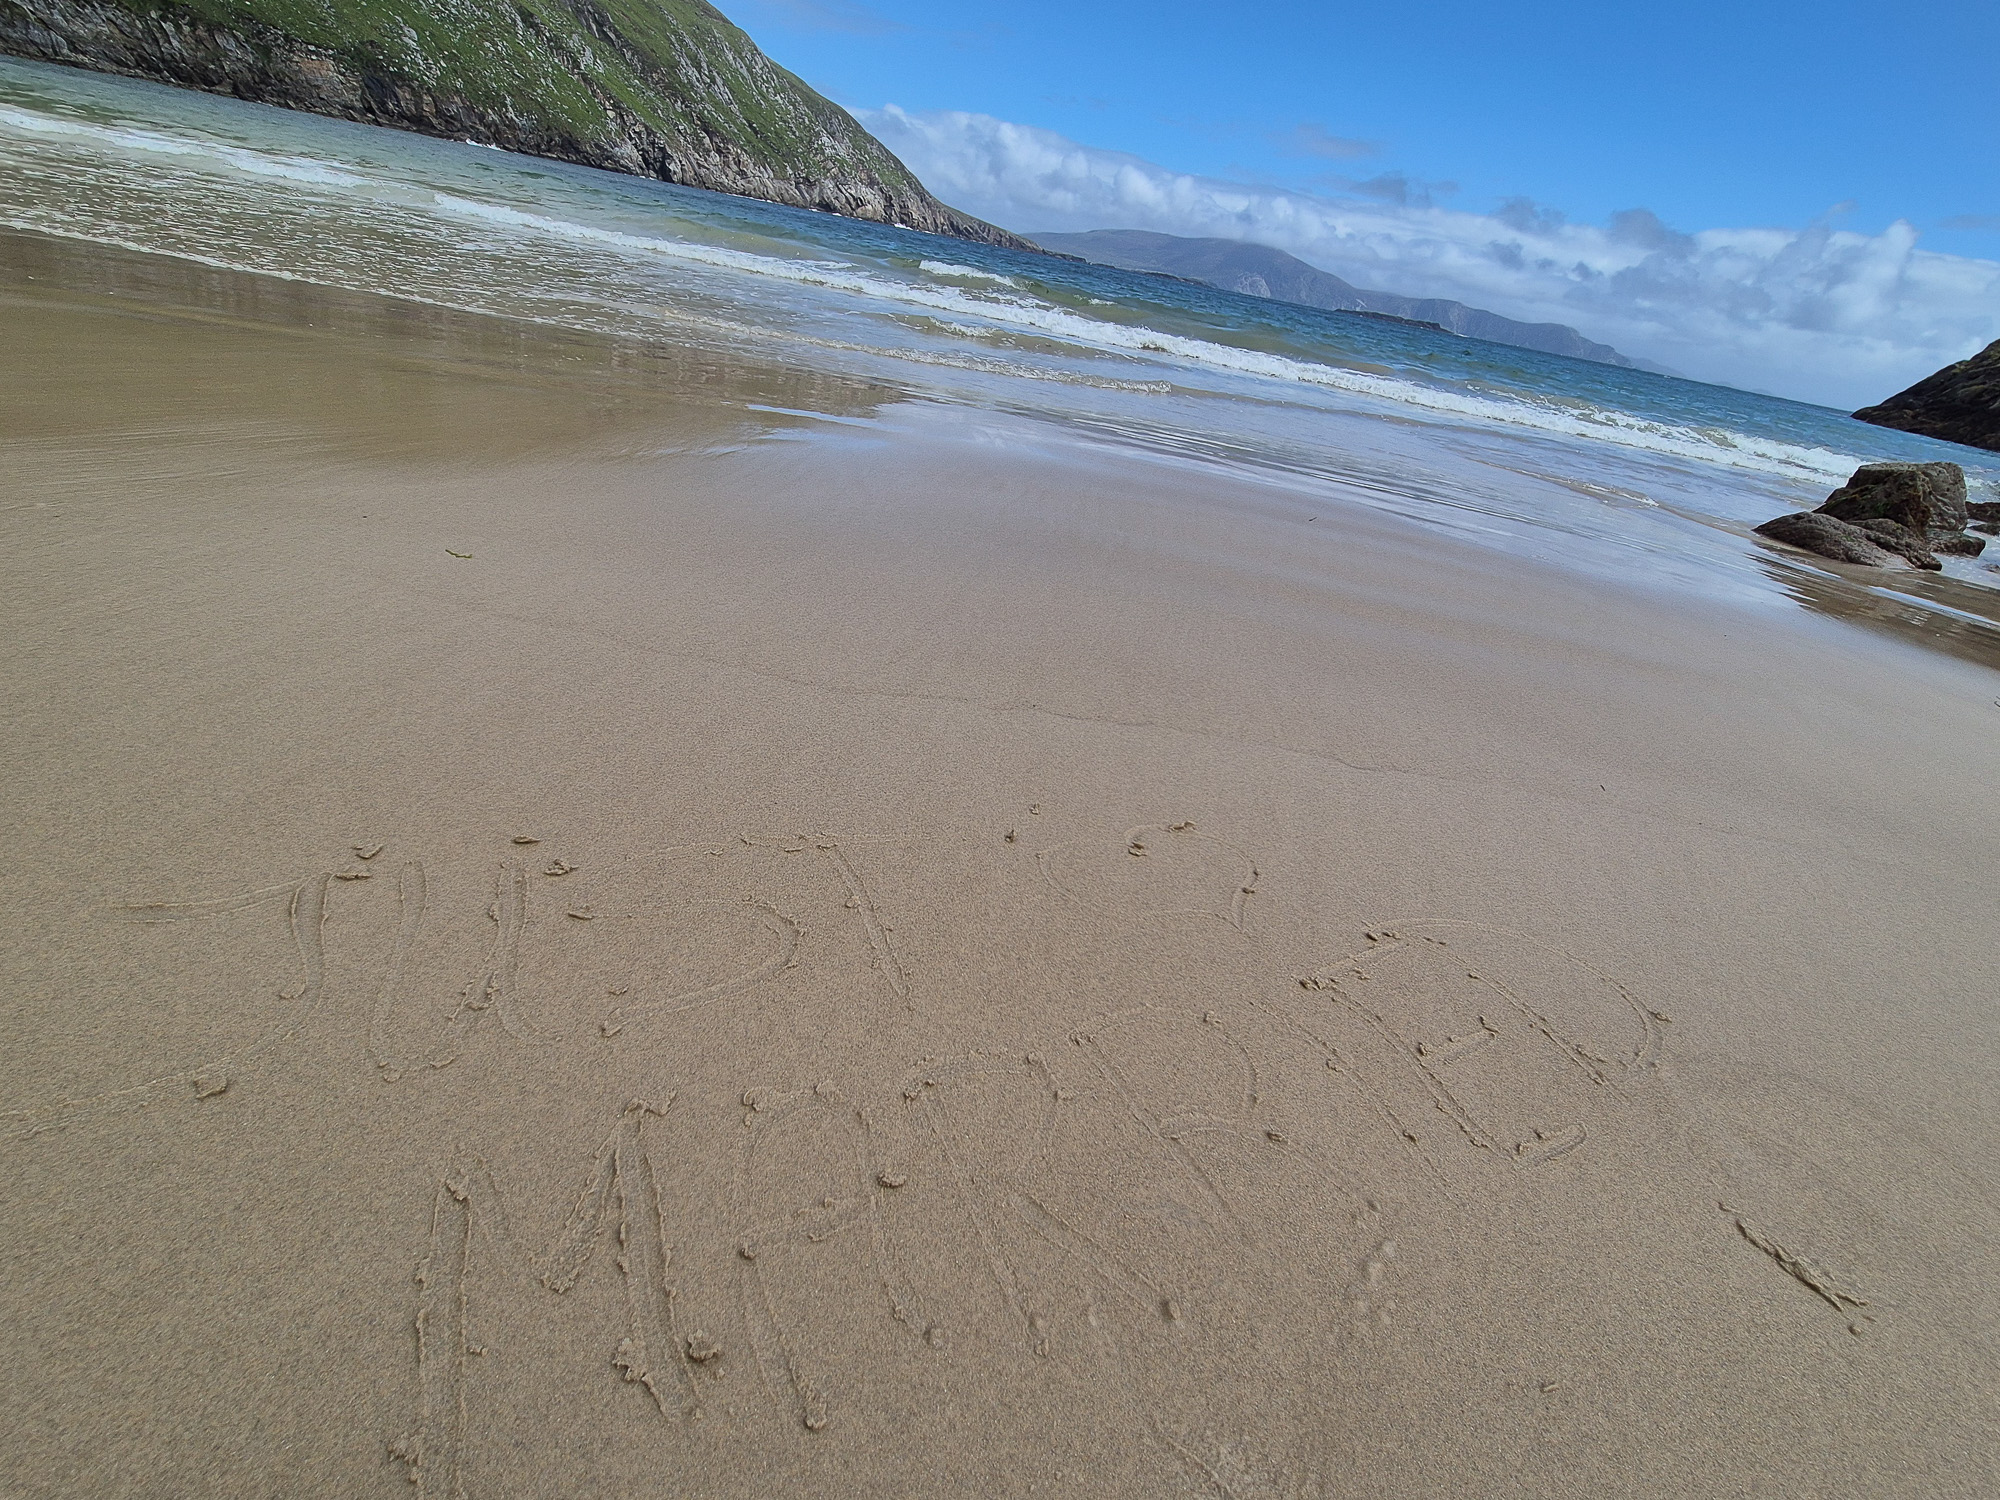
x=1819 y=313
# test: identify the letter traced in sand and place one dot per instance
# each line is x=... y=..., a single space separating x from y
x=496 y=989
x=1172 y=1131
x=996 y=1196
x=434 y=1450
x=410 y=895
x=882 y=953
x=1159 y=870
x=1500 y=1033
x=621 y=1188
x=849 y=1202
x=305 y=916
x=622 y=1178
x=1149 y=1252
x=927 y=1092
x=884 y=956
x=499 y=990
x=1341 y=1067
x=785 y=935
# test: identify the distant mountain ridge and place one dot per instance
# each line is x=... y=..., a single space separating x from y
x=1261 y=271
x=656 y=88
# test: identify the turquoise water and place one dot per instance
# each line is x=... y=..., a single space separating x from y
x=1606 y=469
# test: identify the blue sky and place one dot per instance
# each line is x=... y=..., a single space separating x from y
x=1709 y=113
x=1529 y=124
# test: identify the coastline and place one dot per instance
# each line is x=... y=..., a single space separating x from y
x=1007 y=883
x=688 y=99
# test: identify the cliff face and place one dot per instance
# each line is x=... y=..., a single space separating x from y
x=1961 y=403
x=1260 y=271
x=657 y=88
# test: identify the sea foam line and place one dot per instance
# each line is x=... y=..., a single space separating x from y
x=1021 y=313
x=1013 y=310
x=243 y=159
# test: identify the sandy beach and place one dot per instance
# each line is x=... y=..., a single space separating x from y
x=591 y=919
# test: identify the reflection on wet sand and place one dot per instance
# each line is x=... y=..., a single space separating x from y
x=421 y=381
x=1965 y=624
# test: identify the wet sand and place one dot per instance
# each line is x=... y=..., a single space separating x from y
x=573 y=930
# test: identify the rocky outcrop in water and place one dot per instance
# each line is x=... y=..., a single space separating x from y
x=1961 y=403
x=656 y=88
x=1886 y=515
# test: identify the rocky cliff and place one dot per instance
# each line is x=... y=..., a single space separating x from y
x=1260 y=271
x=658 y=88
x=1961 y=403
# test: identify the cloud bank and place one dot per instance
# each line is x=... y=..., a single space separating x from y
x=1819 y=313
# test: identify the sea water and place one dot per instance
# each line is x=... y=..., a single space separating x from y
x=1616 y=471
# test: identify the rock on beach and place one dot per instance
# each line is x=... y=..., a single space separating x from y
x=1923 y=497
x=1887 y=515
x=1839 y=540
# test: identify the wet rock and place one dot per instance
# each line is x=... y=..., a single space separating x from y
x=1904 y=513
x=1961 y=403
x=1913 y=547
x=1828 y=536
x=1922 y=497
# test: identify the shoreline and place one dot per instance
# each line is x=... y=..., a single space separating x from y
x=1037 y=971
x=265 y=60
x=1935 y=613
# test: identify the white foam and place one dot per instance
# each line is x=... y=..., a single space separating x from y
x=1572 y=419
x=964 y=273
x=128 y=138
x=968 y=312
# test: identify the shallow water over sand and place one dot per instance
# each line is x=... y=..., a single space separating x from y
x=1620 y=473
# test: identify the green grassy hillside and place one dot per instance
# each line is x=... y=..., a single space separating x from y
x=664 y=88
